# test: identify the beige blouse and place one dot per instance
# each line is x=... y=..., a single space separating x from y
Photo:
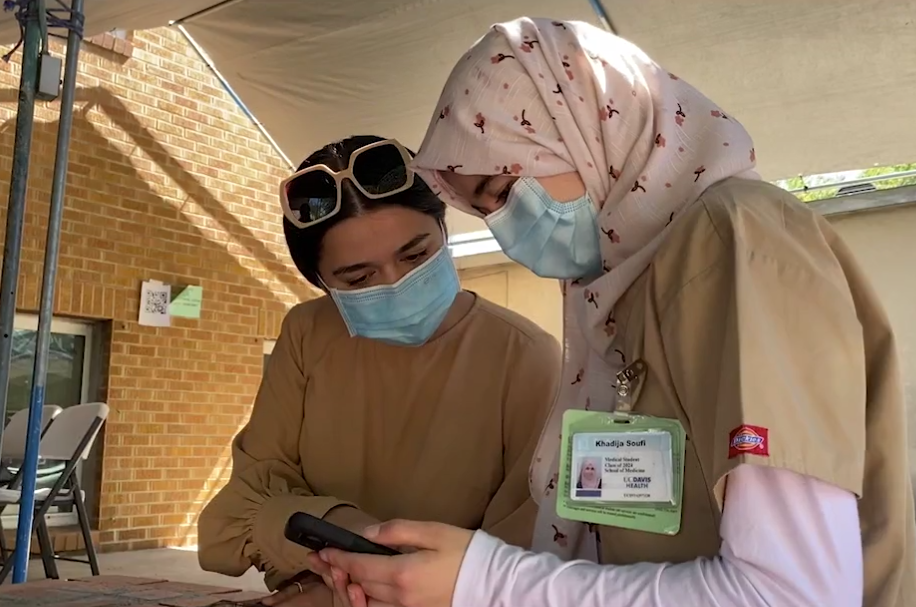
x=357 y=431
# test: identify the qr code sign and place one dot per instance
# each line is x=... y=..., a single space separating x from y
x=157 y=302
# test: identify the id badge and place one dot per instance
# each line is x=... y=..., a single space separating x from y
x=622 y=470
x=622 y=467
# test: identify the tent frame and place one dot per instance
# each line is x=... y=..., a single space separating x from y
x=35 y=19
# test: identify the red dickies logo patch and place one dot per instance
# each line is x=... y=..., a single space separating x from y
x=748 y=440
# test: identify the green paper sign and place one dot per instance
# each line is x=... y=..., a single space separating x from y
x=187 y=301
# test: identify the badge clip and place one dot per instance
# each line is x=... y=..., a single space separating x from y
x=629 y=380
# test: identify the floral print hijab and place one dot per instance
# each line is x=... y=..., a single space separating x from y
x=537 y=98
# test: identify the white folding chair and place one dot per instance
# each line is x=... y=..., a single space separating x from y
x=13 y=452
x=68 y=440
x=14 y=434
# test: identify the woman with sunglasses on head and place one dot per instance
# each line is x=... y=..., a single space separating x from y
x=697 y=297
x=397 y=395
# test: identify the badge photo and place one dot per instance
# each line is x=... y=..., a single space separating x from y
x=588 y=482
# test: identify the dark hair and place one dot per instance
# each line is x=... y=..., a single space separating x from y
x=305 y=243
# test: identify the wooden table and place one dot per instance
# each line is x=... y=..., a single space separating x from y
x=123 y=591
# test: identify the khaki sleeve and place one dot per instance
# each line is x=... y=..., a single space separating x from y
x=243 y=525
x=533 y=383
x=767 y=359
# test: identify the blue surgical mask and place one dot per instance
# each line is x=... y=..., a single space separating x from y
x=407 y=312
x=552 y=239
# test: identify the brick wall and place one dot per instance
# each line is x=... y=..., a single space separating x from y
x=168 y=180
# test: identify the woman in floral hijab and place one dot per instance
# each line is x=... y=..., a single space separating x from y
x=593 y=165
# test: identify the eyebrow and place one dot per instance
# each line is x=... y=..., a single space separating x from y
x=363 y=265
x=413 y=242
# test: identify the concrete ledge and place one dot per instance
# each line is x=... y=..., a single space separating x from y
x=868 y=201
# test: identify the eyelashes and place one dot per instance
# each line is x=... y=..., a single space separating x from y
x=413 y=259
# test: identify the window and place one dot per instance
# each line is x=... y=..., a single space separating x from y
x=67 y=384
x=268 y=350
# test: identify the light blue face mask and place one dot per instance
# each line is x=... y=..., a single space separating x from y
x=407 y=312
x=552 y=239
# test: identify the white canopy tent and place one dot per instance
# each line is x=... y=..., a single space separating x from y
x=822 y=85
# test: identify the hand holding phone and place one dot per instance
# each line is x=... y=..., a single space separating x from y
x=316 y=534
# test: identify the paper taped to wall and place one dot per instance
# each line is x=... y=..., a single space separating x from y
x=155 y=298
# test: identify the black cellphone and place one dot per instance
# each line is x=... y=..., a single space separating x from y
x=311 y=532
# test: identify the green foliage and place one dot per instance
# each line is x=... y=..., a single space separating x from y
x=897 y=182
x=797 y=183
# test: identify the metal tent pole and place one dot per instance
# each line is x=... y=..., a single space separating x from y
x=15 y=212
x=603 y=16
x=46 y=308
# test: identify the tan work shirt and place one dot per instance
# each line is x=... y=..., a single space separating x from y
x=755 y=312
x=442 y=432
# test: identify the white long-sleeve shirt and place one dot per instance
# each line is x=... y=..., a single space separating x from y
x=787 y=541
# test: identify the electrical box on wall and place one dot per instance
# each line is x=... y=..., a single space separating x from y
x=50 y=70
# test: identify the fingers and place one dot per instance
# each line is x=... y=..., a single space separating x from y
x=379 y=595
x=357 y=596
x=335 y=579
x=339 y=583
x=371 y=602
x=360 y=597
x=363 y=567
x=317 y=565
x=413 y=534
